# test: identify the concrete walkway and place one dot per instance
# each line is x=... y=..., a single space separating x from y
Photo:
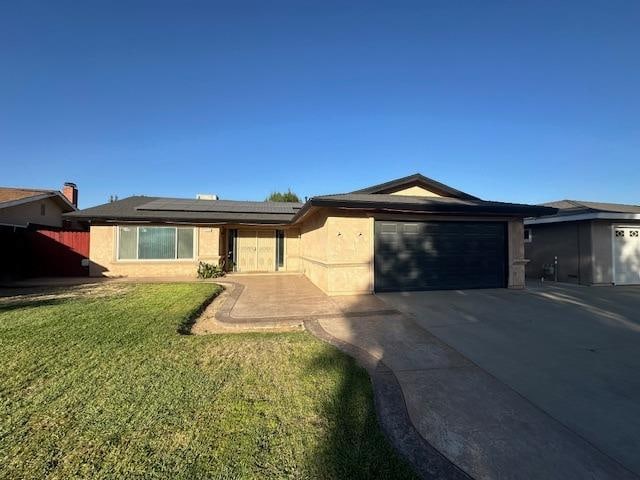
x=288 y=297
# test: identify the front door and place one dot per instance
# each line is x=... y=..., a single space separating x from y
x=256 y=250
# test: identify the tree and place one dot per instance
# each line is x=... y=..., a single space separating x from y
x=287 y=196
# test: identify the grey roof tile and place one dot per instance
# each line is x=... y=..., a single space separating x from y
x=573 y=207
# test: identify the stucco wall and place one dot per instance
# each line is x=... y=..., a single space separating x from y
x=292 y=250
x=30 y=213
x=337 y=252
x=313 y=249
x=515 y=255
x=103 y=258
x=416 y=192
x=350 y=254
x=602 y=267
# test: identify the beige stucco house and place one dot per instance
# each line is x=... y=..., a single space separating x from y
x=412 y=233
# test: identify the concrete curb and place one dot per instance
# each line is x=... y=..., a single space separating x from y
x=392 y=412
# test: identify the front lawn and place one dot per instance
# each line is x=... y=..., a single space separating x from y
x=101 y=385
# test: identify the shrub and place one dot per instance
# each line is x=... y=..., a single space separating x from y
x=209 y=270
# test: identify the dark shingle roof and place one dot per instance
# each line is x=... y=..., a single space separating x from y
x=574 y=207
x=378 y=201
x=157 y=209
x=416 y=179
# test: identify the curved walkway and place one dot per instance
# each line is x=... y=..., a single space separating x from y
x=447 y=416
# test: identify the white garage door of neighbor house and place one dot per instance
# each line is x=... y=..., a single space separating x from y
x=626 y=255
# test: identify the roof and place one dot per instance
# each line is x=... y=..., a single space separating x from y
x=159 y=209
x=12 y=196
x=377 y=197
x=574 y=206
x=575 y=210
x=398 y=203
x=416 y=179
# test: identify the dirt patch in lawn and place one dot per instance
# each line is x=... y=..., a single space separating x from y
x=17 y=297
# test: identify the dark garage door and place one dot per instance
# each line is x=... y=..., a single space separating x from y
x=439 y=255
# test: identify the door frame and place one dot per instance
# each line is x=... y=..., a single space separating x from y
x=257 y=237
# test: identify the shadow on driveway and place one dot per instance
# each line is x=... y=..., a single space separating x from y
x=568 y=351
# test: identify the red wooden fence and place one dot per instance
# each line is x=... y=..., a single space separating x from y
x=59 y=253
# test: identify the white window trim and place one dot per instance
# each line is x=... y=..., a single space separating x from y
x=156 y=260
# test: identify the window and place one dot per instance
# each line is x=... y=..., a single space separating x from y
x=155 y=243
x=279 y=249
x=43 y=209
x=528 y=235
x=411 y=228
x=388 y=228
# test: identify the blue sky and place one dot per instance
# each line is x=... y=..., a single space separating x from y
x=510 y=101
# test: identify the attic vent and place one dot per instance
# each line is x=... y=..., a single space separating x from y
x=206 y=196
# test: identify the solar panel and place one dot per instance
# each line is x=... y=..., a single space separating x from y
x=229 y=206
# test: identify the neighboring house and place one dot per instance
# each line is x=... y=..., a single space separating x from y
x=34 y=240
x=594 y=243
x=412 y=233
x=30 y=207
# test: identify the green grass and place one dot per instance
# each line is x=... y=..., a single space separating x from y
x=104 y=386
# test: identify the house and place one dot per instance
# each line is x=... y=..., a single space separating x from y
x=594 y=243
x=412 y=233
x=29 y=207
x=33 y=235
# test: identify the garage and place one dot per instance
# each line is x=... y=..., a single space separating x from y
x=439 y=255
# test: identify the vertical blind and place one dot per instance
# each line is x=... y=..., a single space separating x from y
x=155 y=243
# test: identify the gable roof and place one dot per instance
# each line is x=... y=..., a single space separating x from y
x=402 y=203
x=419 y=180
x=159 y=209
x=374 y=198
x=573 y=210
x=12 y=197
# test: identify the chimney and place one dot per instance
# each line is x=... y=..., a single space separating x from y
x=70 y=191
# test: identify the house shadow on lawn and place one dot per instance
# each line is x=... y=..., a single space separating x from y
x=354 y=446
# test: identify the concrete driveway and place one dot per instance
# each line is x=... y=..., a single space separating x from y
x=541 y=383
x=572 y=352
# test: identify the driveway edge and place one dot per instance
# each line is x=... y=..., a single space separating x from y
x=392 y=413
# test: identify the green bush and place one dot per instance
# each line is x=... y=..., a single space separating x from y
x=209 y=270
